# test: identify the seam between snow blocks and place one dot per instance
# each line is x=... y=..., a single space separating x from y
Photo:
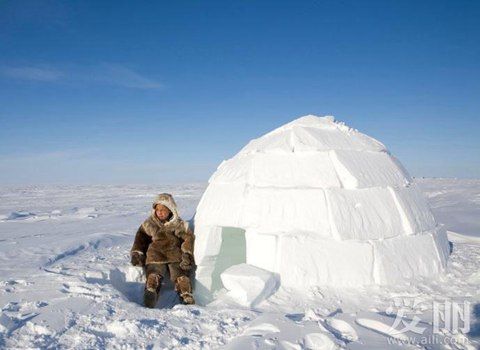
x=338 y=167
x=333 y=228
x=406 y=224
x=375 y=273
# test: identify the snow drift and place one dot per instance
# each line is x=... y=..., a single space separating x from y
x=316 y=203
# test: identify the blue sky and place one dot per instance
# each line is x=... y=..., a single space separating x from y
x=162 y=92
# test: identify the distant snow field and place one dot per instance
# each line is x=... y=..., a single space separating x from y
x=66 y=282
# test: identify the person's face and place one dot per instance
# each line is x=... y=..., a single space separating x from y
x=162 y=212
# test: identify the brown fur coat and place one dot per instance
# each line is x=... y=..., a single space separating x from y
x=164 y=242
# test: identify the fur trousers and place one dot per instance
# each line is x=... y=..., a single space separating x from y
x=157 y=272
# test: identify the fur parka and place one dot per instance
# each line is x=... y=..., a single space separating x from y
x=164 y=243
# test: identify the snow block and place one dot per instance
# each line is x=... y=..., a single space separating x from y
x=307 y=139
x=234 y=170
x=358 y=169
x=402 y=258
x=207 y=242
x=221 y=205
x=272 y=142
x=261 y=250
x=294 y=170
x=248 y=285
x=414 y=208
x=309 y=261
x=202 y=290
x=442 y=244
x=362 y=214
x=280 y=210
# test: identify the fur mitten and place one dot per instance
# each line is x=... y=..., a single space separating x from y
x=187 y=262
x=138 y=259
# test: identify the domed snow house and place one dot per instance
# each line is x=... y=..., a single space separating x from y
x=317 y=203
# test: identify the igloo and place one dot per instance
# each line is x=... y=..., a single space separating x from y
x=317 y=203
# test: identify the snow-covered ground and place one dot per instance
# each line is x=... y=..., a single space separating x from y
x=65 y=282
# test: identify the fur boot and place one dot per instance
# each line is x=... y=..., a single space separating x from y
x=184 y=289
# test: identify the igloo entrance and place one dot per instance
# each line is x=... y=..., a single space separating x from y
x=232 y=252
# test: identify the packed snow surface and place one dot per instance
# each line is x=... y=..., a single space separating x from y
x=318 y=203
x=66 y=282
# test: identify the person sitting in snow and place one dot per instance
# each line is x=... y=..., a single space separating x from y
x=163 y=242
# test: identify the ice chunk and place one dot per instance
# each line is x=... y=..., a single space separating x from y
x=249 y=285
x=261 y=329
x=343 y=329
x=368 y=169
x=369 y=213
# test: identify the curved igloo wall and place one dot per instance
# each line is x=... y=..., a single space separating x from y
x=320 y=204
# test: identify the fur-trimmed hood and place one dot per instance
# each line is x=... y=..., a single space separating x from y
x=167 y=200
